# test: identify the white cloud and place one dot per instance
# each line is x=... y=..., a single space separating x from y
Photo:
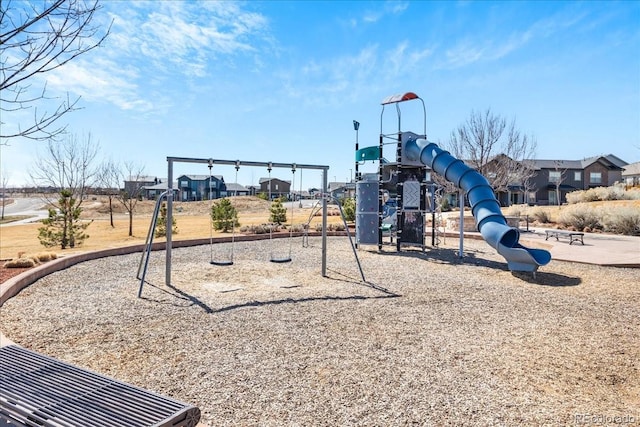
x=388 y=8
x=155 y=44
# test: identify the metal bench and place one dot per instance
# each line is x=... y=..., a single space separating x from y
x=37 y=390
x=573 y=236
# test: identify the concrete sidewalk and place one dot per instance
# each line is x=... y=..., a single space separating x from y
x=599 y=249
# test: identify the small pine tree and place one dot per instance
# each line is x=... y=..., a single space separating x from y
x=262 y=196
x=161 y=225
x=278 y=212
x=63 y=227
x=224 y=215
x=349 y=209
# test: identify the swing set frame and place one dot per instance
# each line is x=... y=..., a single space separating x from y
x=210 y=161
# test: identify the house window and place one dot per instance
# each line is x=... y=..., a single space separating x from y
x=555 y=176
x=553 y=200
x=532 y=197
x=276 y=187
x=184 y=184
x=427 y=176
x=577 y=176
x=595 y=177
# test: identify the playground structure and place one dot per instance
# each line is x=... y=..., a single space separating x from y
x=396 y=200
x=414 y=156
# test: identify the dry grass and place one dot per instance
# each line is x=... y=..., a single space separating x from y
x=192 y=221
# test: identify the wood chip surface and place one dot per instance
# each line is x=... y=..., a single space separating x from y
x=429 y=339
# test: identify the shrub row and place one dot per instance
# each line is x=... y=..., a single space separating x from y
x=296 y=228
x=616 y=192
x=28 y=261
x=581 y=217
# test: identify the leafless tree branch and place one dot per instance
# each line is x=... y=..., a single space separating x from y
x=37 y=38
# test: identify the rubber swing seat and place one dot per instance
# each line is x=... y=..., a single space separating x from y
x=280 y=260
x=221 y=263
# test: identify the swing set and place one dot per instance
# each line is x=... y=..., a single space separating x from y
x=144 y=262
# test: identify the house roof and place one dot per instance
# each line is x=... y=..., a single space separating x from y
x=631 y=170
x=234 y=186
x=261 y=180
x=145 y=178
x=333 y=186
x=201 y=177
x=611 y=161
x=609 y=158
x=160 y=186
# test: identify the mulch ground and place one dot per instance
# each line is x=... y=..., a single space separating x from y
x=8 y=273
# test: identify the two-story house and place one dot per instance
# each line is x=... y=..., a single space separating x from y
x=275 y=187
x=553 y=179
x=200 y=187
x=151 y=192
x=135 y=185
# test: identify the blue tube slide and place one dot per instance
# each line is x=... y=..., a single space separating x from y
x=484 y=205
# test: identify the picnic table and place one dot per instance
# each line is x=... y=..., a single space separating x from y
x=573 y=236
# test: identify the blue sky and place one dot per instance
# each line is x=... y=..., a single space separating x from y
x=282 y=81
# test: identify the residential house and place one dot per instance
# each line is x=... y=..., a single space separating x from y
x=342 y=190
x=275 y=187
x=631 y=175
x=553 y=179
x=134 y=186
x=200 y=187
x=235 y=189
x=151 y=192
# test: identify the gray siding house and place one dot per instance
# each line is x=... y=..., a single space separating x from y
x=278 y=187
x=200 y=187
x=571 y=175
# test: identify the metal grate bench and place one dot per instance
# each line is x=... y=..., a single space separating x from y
x=37 y=390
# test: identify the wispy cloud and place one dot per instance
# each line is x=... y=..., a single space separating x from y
x=155 y=43
x=348 y=77
x=492 y=47
x=388 y=8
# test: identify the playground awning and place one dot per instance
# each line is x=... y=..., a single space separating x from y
x=368 y=153
x=399 y=98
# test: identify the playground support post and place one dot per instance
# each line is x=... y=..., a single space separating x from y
x=461 y=204
x=325 y=179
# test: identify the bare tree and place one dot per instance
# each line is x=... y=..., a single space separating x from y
x=108 y=178
x=4 y=181
x=133 y=187
x=557 y=178
x=497 y=150
x=37 y=37
x=65 y=173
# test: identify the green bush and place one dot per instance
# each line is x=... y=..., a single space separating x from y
x=224 y=215
x=278 y=213
x=161 y=225
x=349 y=209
